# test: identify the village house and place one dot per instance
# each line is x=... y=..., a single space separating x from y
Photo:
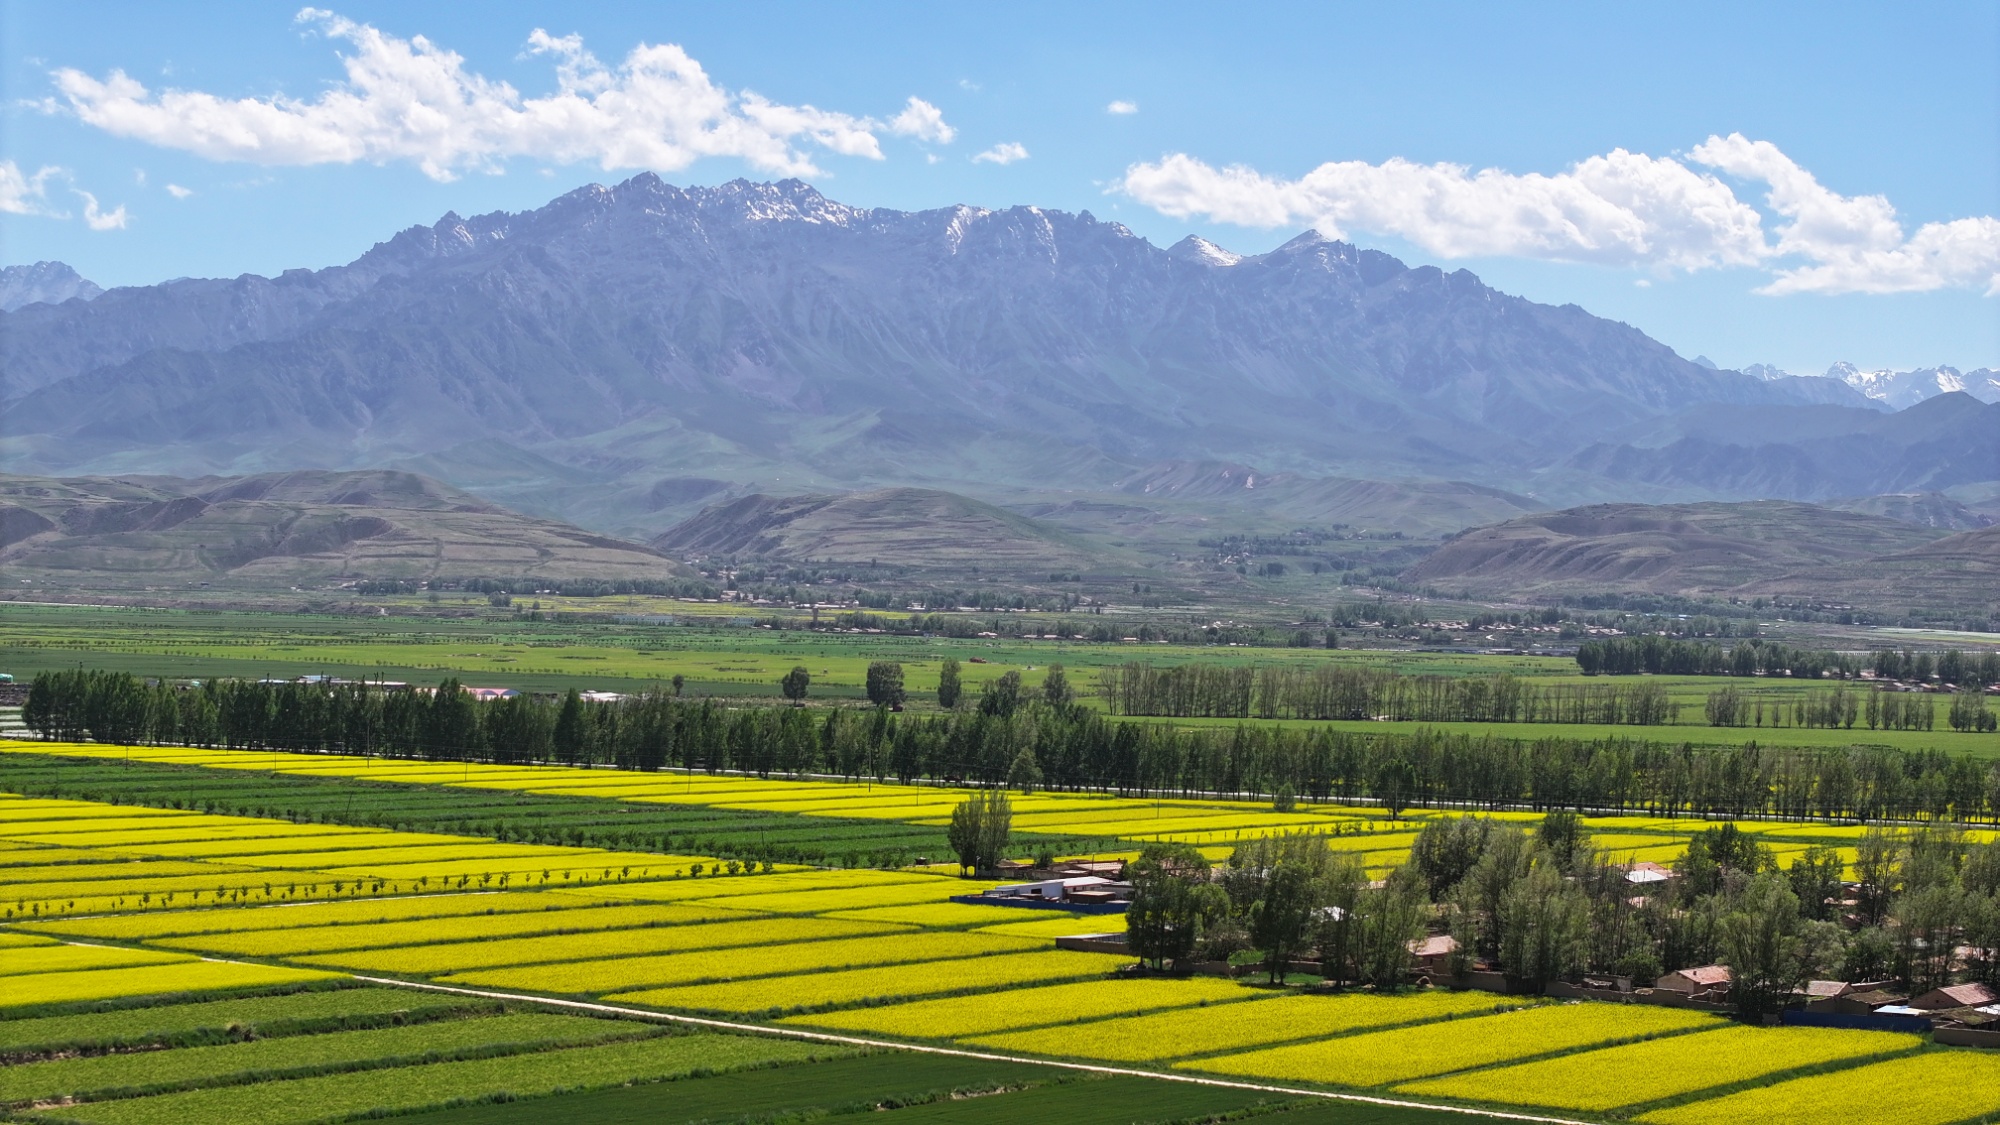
x=1696 y=981
x=1957 y=996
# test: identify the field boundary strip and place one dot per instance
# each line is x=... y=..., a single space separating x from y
x=988 y=1056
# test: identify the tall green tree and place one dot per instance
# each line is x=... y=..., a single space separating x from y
x=979 y=830
x=1055 y=687
x=1393 y=781
x=948 y=686
x=885 y=683
x=1446 y=850
x=1173 y=900
x=570 y=729
x=1762 y=945
x=1544 y=926
x=795 y=683
x=1389 y=918
x=1337 y=923
x=1281 y=920
x=1026 y=773
x=1001 y=696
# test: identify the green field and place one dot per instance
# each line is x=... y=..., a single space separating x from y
x=549 y=656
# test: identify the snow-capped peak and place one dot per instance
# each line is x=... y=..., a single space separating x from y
x=1900 y=389
x=1195 y=248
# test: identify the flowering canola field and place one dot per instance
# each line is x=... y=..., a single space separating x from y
x=118 y=903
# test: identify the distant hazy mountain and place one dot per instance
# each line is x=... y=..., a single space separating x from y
x=1807 y=453
x=46 y=282
x=574 y=357
x=1824 y=389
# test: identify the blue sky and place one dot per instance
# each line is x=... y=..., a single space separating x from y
x=1842 y=210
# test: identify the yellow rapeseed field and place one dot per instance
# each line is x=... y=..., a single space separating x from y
x=937 y=915
x=1381 y=1057
x=1169 y=1035
x=754 y=958
x=857 y=986
x=1055 y=924
x=1931 y=1088
x=599 y=945
x=959 y=1017
x=929 y=889
x=302 y=941
x=38 y=959
x=1655 y=1069
x=184 y=974
x=307 y=915
x=710 y=886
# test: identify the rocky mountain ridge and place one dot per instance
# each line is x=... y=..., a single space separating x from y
x=585 y=358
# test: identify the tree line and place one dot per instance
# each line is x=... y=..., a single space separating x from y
x=1007 y=731
x=1349 y=692
x=1657 y=656
x=1547 y=906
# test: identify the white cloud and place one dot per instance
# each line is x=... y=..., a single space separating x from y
x=23 y=194
x=1006 y=152
x=924 y=121
x=100 y=220
x=1619 y=209
x=179 y=192
x=1122 y=107
x=1855 y=243
x=412 y=100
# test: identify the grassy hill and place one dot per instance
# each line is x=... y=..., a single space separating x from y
x=917 y=527
x=1670 y=549
x=280 y=529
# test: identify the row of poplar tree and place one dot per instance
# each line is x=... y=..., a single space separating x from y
x=1335 y=691
x=1012 y=733
x=1669 y=656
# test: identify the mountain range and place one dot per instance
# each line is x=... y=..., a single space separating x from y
x=625 y=356
x=1889 y=389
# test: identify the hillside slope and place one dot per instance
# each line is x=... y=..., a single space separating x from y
x=1956 y=574
x=277 y=529
x=1670 y=549
x=896 y=526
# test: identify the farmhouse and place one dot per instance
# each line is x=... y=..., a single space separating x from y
x=1694 y=982
x=1433 y=954
x=1957 y=996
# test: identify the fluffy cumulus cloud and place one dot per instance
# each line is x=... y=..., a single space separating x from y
x=1849 y=244
x=1619 y=209
x=412 y=100
x=924 y=121
x=1122 y=108
x=1006 y=152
